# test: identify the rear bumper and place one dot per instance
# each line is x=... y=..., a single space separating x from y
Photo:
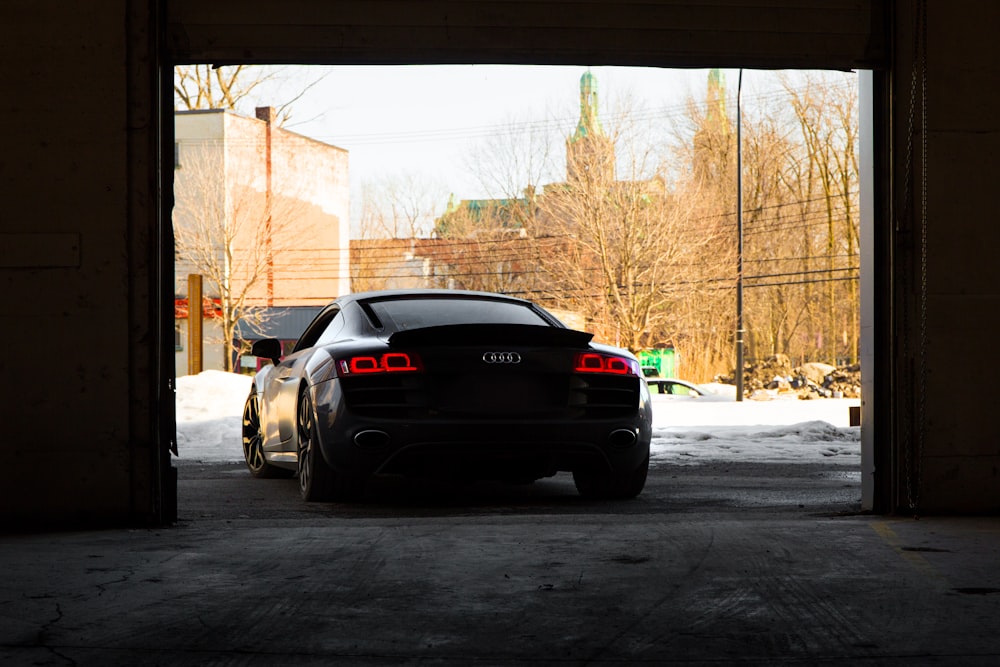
x=482 y=448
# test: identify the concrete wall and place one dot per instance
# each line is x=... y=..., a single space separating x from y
x=78 y=253
x=948 y=289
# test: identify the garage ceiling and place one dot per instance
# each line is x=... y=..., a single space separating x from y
x=808 y=34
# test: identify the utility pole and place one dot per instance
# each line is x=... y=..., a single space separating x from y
x=268 y=115
x=739 y=233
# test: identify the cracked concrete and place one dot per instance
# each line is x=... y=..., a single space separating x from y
x=721 y=563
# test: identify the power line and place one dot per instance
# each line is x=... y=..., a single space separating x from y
x=468 y=132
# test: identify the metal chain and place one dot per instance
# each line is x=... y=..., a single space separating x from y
x=907 y=411
x=922 y=392
x=913 y=449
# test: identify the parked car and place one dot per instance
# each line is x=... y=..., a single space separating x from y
x=446 y=384
x=681 y=389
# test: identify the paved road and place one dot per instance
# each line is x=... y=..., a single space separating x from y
x=712 y=564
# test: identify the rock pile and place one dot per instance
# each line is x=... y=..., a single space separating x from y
x=775 y=374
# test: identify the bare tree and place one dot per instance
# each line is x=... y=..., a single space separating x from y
x=232 y=233
x=628 y=248
x=370 y=269
x=203 y=86
x=844 y=108
x=483 y=247
x=773 y=312
x=400 y=206
x=799 y=185
x=514 y=162
x=395 y=211
x=226 y=229
x=826 y=111
x=700 y=163
x=700 y=323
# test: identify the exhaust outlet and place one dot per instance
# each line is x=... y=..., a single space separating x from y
x=622 y=438
x=371 y=439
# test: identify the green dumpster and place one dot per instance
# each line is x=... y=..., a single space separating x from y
x=660 y=362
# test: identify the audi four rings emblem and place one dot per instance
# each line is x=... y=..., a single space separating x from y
x=502 y=357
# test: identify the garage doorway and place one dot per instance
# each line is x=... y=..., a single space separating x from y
x=675 y=36
x=768 y=278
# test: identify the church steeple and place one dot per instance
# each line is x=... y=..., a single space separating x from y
x=714 y=133
x=590 y=154
x=715 y=102
x=590 y=123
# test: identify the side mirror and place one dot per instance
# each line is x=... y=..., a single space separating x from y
x=269 y=348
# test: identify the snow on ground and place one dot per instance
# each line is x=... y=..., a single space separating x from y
x=685 y=430
x=210 y=416
x=783 y=429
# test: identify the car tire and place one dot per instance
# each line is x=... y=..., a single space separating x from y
x=253 y=442
x=318 y=482
x=603 y=485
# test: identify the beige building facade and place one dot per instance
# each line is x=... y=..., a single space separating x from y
x=262 y=214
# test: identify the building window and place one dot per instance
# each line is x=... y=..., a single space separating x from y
x=177 y=155
x=178 y=337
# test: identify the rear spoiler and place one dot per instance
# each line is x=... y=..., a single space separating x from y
x=491 y=334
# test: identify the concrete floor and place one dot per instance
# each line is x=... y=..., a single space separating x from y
x=716 y=564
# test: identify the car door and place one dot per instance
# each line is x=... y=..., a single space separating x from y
x=279 y=407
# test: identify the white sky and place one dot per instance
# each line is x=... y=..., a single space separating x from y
x=210 y=408
x=432 y=120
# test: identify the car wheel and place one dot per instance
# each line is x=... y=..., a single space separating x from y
x=253 y=441
x=318 y=482
x=609 y=485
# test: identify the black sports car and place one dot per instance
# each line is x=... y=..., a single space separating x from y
x=442 y=383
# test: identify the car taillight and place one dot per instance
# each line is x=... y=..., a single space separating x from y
x=593 y=362
x=389 y=362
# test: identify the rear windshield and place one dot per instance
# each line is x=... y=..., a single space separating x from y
x=405 y=314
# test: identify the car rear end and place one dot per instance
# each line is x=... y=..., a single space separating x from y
x=486 y=401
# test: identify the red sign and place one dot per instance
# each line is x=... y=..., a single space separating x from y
x=210 y=308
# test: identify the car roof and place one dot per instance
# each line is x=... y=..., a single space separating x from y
x=424 y=293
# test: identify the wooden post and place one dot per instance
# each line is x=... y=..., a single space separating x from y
x=196 y=312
